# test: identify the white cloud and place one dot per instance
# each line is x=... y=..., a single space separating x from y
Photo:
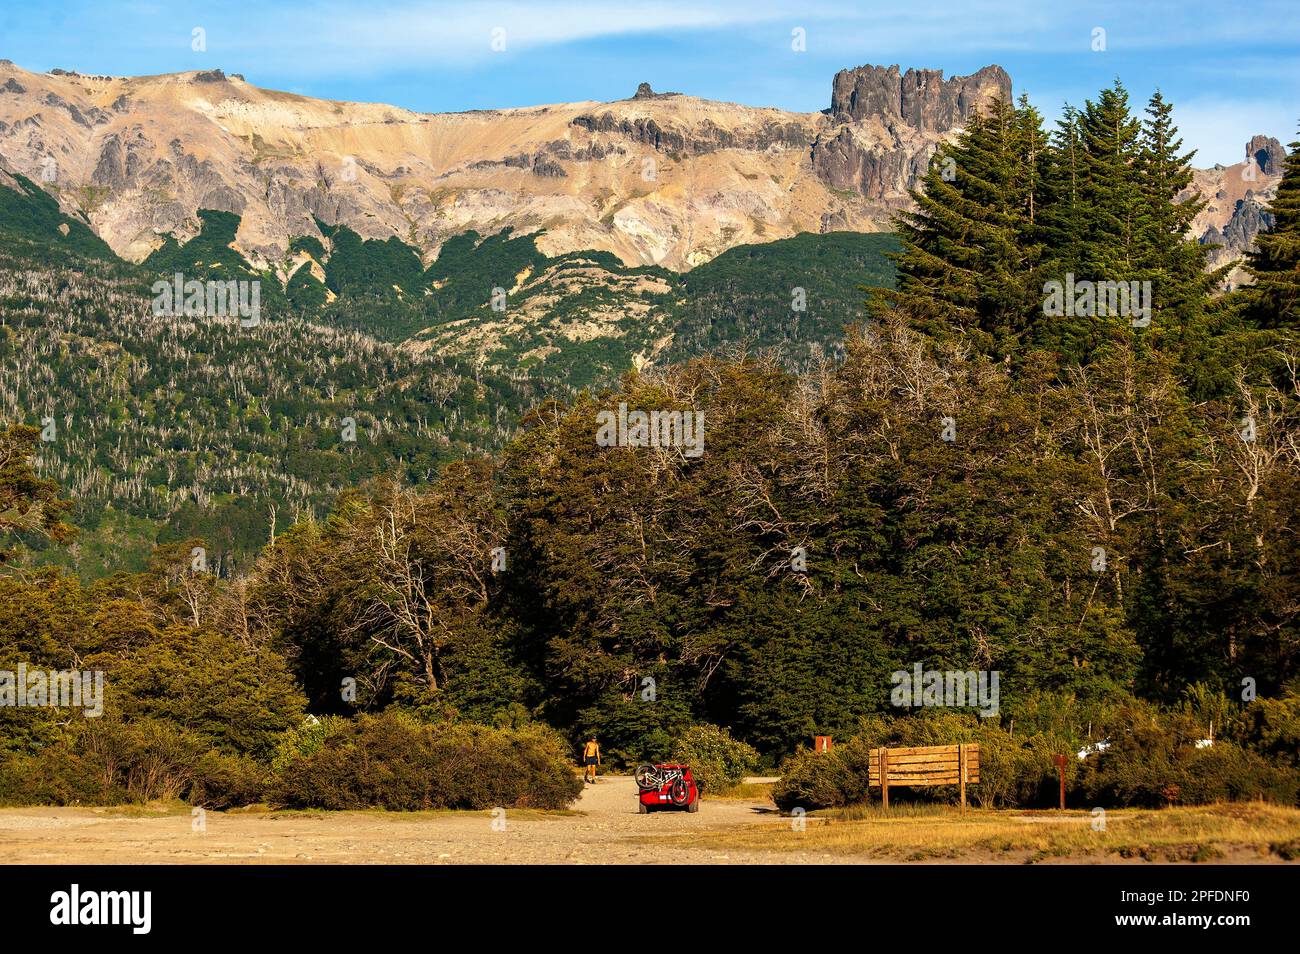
x=340 y=38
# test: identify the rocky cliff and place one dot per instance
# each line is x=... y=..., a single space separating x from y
x=1236 y=201
x=656 y=178
x=660 y=178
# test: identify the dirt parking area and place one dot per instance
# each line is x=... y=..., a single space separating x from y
x=603 y=828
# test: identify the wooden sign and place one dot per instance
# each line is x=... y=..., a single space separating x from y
x=821 y=743
x=925 y=765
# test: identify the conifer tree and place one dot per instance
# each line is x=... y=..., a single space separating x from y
x=1173 y=262
x=1110 y=191
x=1093 y=223
x=1184 y=319
x=1062 y=215
x=969 y=255
x=1273 y=301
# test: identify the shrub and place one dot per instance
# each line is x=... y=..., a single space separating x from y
x=210 y=684
x=396 y=762
x=1156 y=761
x=1272 y=728
x=304 y=739
x=107 y=762
x=55 y=777
x=717 y=761
x=222 y=780
x=1227 y=772
x=1014 y=770
x=812 y=780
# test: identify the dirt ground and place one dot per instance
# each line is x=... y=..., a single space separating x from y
x=603 y=828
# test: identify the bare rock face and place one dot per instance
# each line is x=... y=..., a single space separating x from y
x=657 y=178
x=645 y=91
x=922 y=99
x=1236 y=202
x=886 y=125
x=1268 y=154
x=852 y=160
x=1250 y=216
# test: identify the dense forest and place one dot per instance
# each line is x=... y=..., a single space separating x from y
x=236 y=430
x=1098 y=503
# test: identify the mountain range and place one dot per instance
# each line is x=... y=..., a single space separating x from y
x=656 y=179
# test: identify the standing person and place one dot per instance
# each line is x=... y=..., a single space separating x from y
x=591 y=758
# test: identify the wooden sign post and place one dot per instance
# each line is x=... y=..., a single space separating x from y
x=1060 y=768
x=884 y=777
x=926 y=765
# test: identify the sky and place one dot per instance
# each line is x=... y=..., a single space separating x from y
x=1231 y=69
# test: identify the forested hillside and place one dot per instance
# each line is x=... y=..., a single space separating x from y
x=201 y=425
x=161 y=426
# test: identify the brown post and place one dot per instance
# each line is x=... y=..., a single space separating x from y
x=1060 y=768
x=884 y=777
x=961 y=773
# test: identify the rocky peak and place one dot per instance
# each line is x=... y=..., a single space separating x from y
x=921 y=98
x=1267 y=153
x=644 y=91
x=884 y=124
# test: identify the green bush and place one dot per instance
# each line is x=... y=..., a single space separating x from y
x=1227 y=772
x=813 y=780
x=1156 y=761
x=717 y=761
x=209 y=683
x=1015 y=771
x=304 y=739
x=108 y=762
x=1272 y=728
x=222 y=780
x=396 y=762
x=57 y=776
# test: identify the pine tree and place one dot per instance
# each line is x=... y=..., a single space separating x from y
x=1062 y=217
x=969 y=254
x=1273 y=301
x=1110 y=193
x=1173 y=262
x=1183 y=318
x=1093 y=219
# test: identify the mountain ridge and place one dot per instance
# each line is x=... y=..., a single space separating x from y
x=665 y=179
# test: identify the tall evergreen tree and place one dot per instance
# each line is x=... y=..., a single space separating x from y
x=1110 y=194
x=1117 y=212
x=1185 y=322
x=1273 y=301
x=1174 y=263
x=1090 y=226
x=1062 y=217
x=969 y=255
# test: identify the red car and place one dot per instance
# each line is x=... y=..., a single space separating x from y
x=666 y=786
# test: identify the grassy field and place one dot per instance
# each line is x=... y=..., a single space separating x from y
x=1240 y=832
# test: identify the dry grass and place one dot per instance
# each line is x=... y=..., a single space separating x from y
x=938 y=833
x=747 y=791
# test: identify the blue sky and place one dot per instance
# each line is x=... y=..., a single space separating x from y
x=1232 y=69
